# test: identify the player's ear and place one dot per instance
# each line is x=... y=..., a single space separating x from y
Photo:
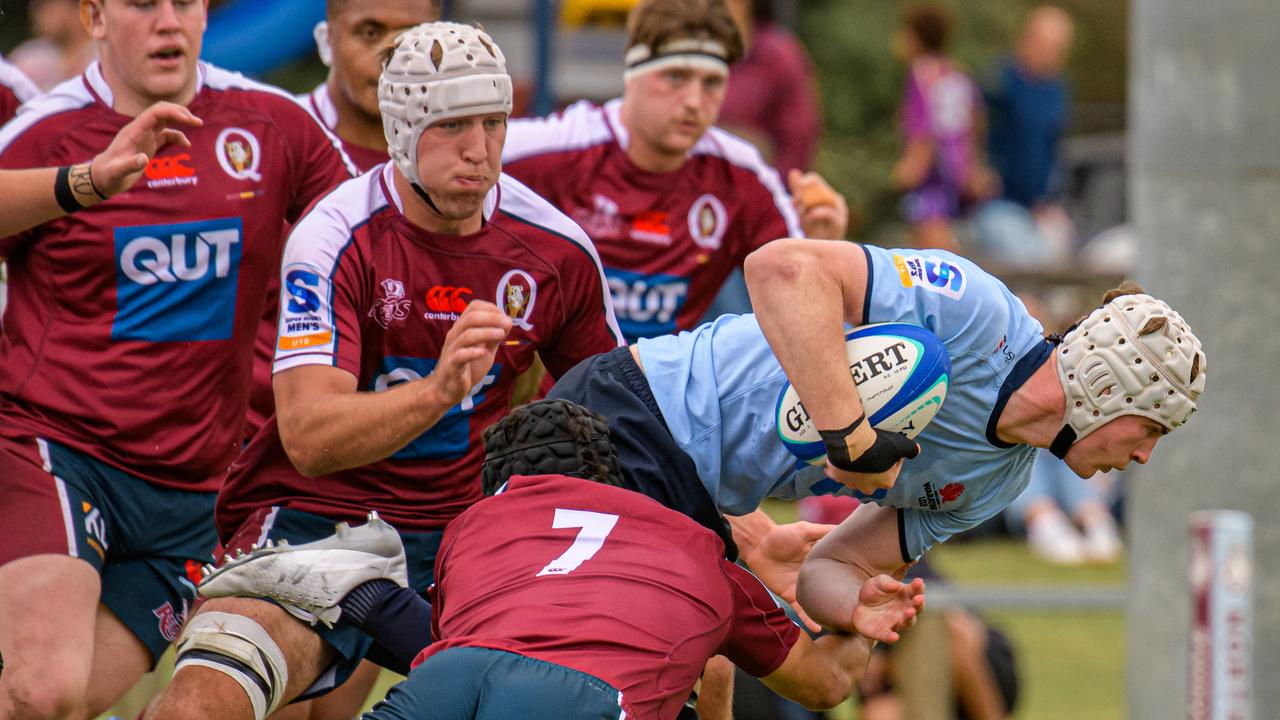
x=91 y=18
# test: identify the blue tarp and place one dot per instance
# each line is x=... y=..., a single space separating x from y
x=255 y=36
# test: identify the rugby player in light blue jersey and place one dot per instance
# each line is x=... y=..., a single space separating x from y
x=695 y=413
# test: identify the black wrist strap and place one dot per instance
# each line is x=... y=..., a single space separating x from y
x=62 y=191
x=838 y=447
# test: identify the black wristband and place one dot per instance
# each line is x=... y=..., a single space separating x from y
x=62 y=191
x=838 y=446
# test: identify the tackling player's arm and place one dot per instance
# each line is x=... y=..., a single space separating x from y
x=326 y=425
x=821 y=673
x=865 y=545
x=816 y=673
x=803 y=293
x=33 y=197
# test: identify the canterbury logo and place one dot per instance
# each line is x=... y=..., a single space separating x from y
x=161 y=168
x=443 y=298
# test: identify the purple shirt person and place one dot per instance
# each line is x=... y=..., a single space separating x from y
x=939 y=171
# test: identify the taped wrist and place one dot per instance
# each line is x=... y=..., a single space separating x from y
x=846 y=445
x=863 y=449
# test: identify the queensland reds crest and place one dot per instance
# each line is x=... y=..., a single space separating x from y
x=517 y=292
x=707 y=221
x=392 y=307
x=238 y=153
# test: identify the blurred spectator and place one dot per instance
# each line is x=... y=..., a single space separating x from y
x=60 y=47
x=1053 y=499
x=939 y=170
x=1028 y=106
x=772 y=98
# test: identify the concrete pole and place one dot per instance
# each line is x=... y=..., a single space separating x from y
x=1204 y=159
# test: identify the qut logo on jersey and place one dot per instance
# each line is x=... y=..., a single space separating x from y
x=177 y=282
x=450 y=437
x=646 y=305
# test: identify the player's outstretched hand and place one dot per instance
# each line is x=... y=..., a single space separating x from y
x=887 y=606
x=777 y=558
x=118 y=167
x=824 y=214
x=468 y=350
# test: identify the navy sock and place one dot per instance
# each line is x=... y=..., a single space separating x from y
x=398 y=619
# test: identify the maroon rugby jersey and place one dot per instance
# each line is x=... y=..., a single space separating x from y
x=261 y=398
x=130 y=325
x=15 y=89
x=367 y=291
x=605 y=581
x=667 y=240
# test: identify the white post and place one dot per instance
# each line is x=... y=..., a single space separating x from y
x=1220 y=654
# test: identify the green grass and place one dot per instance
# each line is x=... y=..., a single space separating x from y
x=1071 y=664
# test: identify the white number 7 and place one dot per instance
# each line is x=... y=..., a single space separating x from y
x=595 y=528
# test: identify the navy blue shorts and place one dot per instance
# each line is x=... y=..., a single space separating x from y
x=281 y=523
x=613 y=385
x=465 y=683
x=147 y=542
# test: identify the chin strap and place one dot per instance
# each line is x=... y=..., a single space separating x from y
x=426 y=198
x=1062 y=443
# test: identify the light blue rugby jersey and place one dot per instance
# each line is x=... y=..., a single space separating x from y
x=718 y=387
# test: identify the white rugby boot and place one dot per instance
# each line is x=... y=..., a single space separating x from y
x=310 y=579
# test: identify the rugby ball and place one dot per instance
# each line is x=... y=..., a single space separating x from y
x=901 y=372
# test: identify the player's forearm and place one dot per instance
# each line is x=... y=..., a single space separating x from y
x=340 y=431
x=825 y=671
x=802 y=294
x=32 y=198
x=828 y=591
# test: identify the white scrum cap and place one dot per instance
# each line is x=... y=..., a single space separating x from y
x=438 y=70
x=1132 y=356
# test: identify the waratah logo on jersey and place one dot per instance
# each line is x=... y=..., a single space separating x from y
x=392 y=307
x=177 y=282
x=450 y=437
x=931 y=273
x=517 y=293
x=305 y=322
x=646 y=305
x=707 y=221
x=238 y=153
x=934 y=499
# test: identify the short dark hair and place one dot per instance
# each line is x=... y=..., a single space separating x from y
x=549 y=437
x=653 y=23
x=931 y=24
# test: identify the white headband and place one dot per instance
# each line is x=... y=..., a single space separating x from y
x=709 y=55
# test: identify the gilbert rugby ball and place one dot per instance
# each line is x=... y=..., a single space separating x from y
x=901 y=371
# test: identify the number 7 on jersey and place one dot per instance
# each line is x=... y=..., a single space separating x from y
x=595 y=528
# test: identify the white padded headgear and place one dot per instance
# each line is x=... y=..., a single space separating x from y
x=1122 y=360
x=439 y=70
